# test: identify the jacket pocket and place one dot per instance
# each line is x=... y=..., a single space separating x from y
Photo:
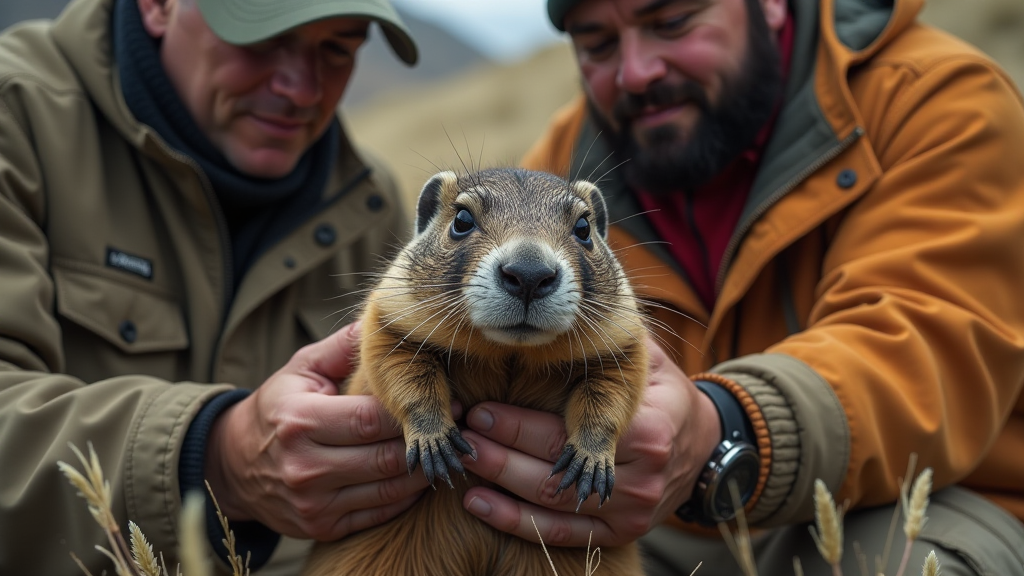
x=131 y=319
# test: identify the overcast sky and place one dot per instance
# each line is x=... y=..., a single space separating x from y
x=504 y=30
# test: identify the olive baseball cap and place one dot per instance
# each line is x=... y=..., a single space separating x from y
x=251 y=21
x=557 y=9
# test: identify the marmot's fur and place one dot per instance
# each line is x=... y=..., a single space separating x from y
x=507 y=292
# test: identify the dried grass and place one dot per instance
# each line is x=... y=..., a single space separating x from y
x=142 y=551
x=739 y=544
x=915 y=509
x=192 y=536
x=829 y=534
x=95 y=489
x=918 y=504
x=829 y=520
x=138 y=558
x=593 y=558
x=931 y=565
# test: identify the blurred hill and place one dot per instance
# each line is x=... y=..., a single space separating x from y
x=487 y=116
x=994 y=26
x=490 y=115
x=457 y=106
x=379 y=70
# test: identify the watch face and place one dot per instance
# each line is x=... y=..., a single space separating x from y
x=741 y=467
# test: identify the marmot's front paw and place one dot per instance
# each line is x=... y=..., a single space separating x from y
x=436 y=451
x=591 y=471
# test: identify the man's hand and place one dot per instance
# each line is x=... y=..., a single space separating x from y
x=305 y=461
x=656 y=464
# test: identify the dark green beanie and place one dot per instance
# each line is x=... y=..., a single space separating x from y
x=557 y=9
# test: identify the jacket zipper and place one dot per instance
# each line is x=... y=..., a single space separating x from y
x=705 y=255
x=221 y=223
x=741 y=231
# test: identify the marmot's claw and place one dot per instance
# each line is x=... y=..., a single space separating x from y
x=412 y=457
x=568 y=453
x=427 y=460
x=437 y=454
x=609 y=476
x=604 y=480
x=460 y=444
x=590 y=474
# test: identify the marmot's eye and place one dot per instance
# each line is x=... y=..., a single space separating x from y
x=463 y=224
x=582 y=230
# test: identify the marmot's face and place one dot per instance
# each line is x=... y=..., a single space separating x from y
x=523 y=292
x=524 y=251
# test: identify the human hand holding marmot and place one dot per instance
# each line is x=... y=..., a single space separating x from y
x=305 y=461
x=657 y=464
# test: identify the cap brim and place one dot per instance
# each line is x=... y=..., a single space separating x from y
x=250 y=21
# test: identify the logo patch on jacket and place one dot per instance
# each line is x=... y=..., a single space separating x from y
x=132 y=264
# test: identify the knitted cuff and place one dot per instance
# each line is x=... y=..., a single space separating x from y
x=778 y=442
x=251 y=537
x=757 y=421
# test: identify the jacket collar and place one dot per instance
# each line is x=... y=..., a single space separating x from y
x=83 y=34
x=817 y=121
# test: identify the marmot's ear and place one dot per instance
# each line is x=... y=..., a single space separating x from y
x=600 y=216
x=430 y=198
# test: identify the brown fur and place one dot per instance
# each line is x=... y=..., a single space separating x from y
x=421 y=349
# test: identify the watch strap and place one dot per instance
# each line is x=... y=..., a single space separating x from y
x=736 y=425
x=737 y=430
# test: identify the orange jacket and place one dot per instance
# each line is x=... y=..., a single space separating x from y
x=871 y=301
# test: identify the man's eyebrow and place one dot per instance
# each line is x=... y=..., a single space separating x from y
x=659 y=4
x=643 y=11
x=585 y=28
x=361 y=33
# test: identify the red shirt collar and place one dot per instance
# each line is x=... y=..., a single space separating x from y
x=716 y=207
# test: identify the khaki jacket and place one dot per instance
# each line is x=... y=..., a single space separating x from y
x=871 y=301
x=113 y=276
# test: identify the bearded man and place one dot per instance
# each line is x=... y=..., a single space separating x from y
x=822 y=201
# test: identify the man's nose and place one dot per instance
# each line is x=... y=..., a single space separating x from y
x=639 y=64
x=298 y=76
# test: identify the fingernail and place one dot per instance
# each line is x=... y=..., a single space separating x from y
x=479 y=507
x=481 y=419
x=355 y=328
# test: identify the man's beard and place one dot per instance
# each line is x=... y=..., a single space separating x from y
x=669 y=161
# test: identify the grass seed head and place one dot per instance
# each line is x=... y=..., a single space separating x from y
x=917 y=505
x=931 y=565
x=829 y=520
x=192 y=536
x=91 y=486
x=142 y=551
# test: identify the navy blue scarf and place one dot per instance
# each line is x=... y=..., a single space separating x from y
x=259 y=211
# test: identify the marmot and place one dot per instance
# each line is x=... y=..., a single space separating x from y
x=507 y=292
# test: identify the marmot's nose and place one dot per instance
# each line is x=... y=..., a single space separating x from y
x=528 y=279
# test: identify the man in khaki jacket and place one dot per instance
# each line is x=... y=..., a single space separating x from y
x=823 y=203
x=180 y=213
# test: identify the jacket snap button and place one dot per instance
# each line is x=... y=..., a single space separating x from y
x=289 y=262
x=847 y=178
x=375 y=203
x=128 y=331
x=325 y=235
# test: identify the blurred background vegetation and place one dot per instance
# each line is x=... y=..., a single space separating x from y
x=492 y=72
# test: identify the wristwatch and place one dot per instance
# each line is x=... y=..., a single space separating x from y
x=734 y=460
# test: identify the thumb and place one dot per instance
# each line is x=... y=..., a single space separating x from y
x=334 y=357
x=656 y=356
